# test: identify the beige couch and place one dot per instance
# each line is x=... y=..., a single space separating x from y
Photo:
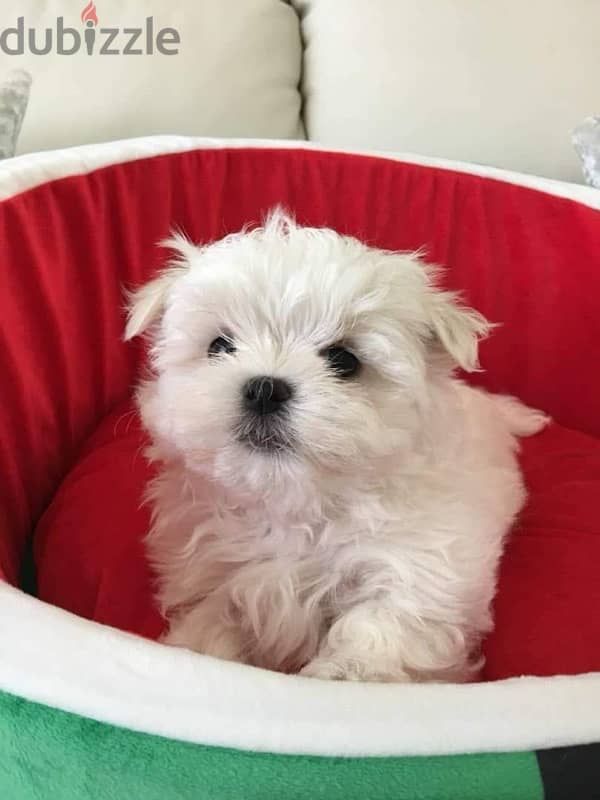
x=498 y=83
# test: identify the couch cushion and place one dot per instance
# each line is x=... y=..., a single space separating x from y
x=495 y=83
x=236 y=71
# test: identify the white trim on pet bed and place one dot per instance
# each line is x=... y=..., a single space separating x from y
x=28 y=171
x=52 y=657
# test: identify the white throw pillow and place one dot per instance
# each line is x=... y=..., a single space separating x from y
x=234 y=72
x=500 y=83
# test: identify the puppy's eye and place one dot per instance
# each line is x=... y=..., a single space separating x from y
x=342 y=361
x=220 y=345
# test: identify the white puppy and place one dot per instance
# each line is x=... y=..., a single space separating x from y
x=330 y=500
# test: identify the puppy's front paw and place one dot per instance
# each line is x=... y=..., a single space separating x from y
x=344 y=668
x=328 y=670
x=200 y=631
x=221 y=644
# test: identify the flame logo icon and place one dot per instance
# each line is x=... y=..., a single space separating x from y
x=90 y=14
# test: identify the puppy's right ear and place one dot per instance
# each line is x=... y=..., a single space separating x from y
x=147 y=303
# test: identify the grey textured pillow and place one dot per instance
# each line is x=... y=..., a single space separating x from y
x=586 y=140
x=14 y=96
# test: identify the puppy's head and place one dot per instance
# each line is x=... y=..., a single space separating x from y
x=288 y=353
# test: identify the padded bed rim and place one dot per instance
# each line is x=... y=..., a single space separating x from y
x=25 y=172
x=114 y=677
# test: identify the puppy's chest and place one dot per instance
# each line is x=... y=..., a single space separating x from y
x=308 y=552
x=271 y=539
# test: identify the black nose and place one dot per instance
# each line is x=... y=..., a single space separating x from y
x=265 y=395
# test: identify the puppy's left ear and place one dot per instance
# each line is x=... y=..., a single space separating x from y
x=457 y=328
x=147 y=303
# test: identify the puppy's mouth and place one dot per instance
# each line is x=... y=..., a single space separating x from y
x=267 y=434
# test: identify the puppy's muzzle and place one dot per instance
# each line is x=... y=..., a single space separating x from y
x=265 y=422
x=266 y=395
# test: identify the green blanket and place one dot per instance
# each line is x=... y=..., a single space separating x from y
x=47 y=754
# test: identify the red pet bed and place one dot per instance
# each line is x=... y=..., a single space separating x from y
x=79 y=226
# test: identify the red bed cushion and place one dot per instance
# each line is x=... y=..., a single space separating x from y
x=89 y=544
x=89 y=550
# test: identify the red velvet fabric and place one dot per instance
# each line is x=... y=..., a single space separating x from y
x=89 y=543
x=524 y=258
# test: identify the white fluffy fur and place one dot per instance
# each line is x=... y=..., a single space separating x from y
x=368 y=550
